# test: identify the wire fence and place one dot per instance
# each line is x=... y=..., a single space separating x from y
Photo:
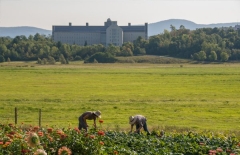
x=43 y=118
x=39 y=117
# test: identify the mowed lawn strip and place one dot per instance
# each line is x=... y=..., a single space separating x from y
x=201 y=97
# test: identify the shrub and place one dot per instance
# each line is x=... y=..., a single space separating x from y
x=62 y=59
x=77 y=58
x=39 y=61
x=224 y=56
x=101 y=58
x=44 y=61
x=51 y=60
x=2 y=59
x=139 y=51
x=212 y=56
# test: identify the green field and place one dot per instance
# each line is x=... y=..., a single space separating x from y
x=171 y=96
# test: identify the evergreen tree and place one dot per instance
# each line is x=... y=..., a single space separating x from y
x=85 y=43
x=39 y=61
x=62 y=59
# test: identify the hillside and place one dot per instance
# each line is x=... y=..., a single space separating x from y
x=153 y=28
x=23 y=30
x=158 y=27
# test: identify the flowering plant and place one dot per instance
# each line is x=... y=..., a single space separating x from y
x=52 y=141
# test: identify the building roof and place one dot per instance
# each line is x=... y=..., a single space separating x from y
x=133 y=28
x=96 y=28
x=79 y=28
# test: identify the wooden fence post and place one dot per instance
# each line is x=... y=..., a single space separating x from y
x=40 y=117
x=15 y=115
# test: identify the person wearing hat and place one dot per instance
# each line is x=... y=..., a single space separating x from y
x=88 y=115
x=140 y=121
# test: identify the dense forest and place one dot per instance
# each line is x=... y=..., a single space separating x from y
x=205 y=44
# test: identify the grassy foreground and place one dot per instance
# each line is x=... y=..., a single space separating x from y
x=172 y=97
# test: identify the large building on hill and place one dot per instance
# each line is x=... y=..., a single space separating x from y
x=110 y=33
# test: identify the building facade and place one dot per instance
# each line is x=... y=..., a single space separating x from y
x=110 y=33
x=237 y=27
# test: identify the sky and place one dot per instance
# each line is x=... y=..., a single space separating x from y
x=45 y=13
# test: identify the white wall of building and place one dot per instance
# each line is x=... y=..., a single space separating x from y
x=77 y=37
x=114 y=35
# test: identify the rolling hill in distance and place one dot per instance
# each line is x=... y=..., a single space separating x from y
x=22 y=30
x=158 y=27
x=153 y=28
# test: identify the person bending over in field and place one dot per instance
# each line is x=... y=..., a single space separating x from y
x=140 y=122
x=89 y=115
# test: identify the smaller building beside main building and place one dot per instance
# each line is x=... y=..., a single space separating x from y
x=110 y=33
x=237 y=27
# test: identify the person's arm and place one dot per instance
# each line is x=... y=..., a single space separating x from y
x=131 y=128
x=94 y=122
x=138 y=129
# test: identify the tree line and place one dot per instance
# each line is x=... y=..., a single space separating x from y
x=204 y=44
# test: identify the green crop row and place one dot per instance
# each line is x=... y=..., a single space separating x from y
x=36 y=140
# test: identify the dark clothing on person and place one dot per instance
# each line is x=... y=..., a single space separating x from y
x=90 y=116
x=144 y=127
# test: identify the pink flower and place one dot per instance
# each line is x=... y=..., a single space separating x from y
x=63 y=136
x=101 y=133
x=64 y=151
x=212 y=151
x=33 y=139
x=92 y=136
x=12 y=133
x=40 y=134
x=219 y=150
x=77 y=130
x=36 y=128
x=49 y=130
x=7 y=144
x=24 y=151
x=40 y=152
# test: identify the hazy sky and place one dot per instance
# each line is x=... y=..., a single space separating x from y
x=45 y=13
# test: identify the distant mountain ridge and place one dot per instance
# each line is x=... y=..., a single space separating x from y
x=158 y=27
x=22 y=30
x=153 y=28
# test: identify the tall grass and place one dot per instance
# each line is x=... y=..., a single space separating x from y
x=173 y=97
